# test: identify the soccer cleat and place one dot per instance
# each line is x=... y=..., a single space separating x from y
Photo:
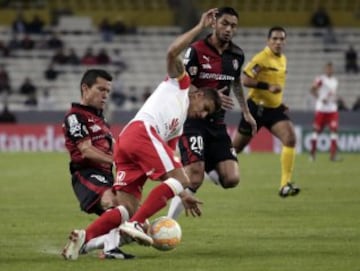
x=116 y=253
x=289 y=189
x=136 y=232
x=74 y=246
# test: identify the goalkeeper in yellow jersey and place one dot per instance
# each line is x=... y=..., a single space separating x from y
x=265 y=76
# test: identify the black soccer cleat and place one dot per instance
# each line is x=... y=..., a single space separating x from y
x=289 y=189
x=116 y=253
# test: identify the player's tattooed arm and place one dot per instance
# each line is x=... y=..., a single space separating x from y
x=238 y=91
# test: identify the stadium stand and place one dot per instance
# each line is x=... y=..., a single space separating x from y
x=307 y=48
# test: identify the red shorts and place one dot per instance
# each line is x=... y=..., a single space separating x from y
x=139 y=154
x=323 y=119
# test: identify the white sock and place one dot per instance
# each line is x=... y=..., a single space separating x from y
x=176 y=206
x=112 y=240
x=214 y=177
x=95 y=243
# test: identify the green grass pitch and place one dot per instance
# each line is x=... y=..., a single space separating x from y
x=246 y=228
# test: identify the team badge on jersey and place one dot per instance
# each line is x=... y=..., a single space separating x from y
x=235 y=63
x=193 y=70
x=256 y=69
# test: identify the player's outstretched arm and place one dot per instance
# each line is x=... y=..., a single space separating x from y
x=175 y=67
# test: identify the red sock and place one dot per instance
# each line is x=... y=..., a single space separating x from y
x=155 y=201
x=103 y=224
x=333 y=148
x=313 y=146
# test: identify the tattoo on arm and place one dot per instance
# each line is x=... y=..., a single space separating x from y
x=239 y=93
x=176 y=68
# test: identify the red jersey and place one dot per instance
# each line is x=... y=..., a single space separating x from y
x=82 y=123
x=207 y=68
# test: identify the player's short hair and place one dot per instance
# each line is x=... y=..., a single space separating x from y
x=276 y=28
x=212 y=94
x=226 y=10
x=89 y=77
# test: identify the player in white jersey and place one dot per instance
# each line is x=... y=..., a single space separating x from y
x=324 y=89
x=146 y=149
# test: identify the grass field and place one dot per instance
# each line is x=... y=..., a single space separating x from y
x=246 y=228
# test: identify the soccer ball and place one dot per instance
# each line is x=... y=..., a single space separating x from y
x=165 y=232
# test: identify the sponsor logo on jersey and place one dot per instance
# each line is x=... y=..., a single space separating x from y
x=216 y=76
x=206 y=66
x=173 y=125
x=206 y=58
x=100 y=178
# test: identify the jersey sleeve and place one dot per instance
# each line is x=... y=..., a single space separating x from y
x=253 y=67
x=191 y=62
x=75 y=126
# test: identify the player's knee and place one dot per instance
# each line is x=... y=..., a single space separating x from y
x=230 y=182
x=196 y=175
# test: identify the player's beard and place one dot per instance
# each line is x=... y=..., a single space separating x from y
x=222 y=39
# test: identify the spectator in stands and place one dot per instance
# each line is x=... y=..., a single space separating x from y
x=103 y=57
x=106 y=30
x=31 y=100
x=27 y=43
x=50 y=73
x=54 y=42
x=5 y=85
x=46 y=101
x=35 y=26
x=89 y=58
x=356 y=105
x=6 y=116
x=59 y=57
x=351 y=64
x=19 y=25
x=14 y=42
x=321 y=19
x=4 y=50
x=27 y=87
x=73 y=58
x=341 y=104
x=118 y=60
x=119 y=27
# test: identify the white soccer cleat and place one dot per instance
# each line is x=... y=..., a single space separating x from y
x=76 y=241
x=135 y=231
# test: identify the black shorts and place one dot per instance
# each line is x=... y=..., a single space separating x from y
x=88 y=186
x=204 y=141
x=264 y=116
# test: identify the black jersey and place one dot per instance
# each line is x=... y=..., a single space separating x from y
x=208 y=68
x=85 y=122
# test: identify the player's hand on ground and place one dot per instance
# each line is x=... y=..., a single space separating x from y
x=226 y=101
x=208 y=17
x=275 y=88
x=191 y=204
x=250 y=119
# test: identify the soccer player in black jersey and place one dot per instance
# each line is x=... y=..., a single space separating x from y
x=205 y=145
x=89 y=142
